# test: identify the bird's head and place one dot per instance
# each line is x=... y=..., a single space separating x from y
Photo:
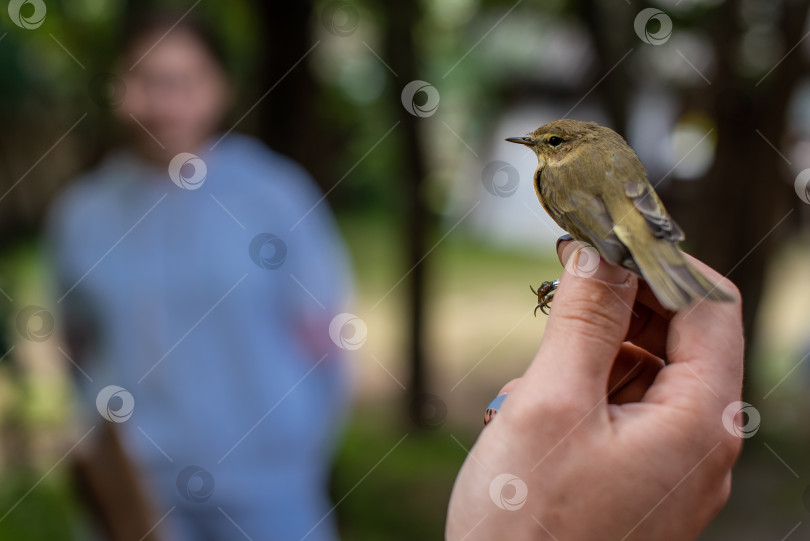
x=554 y=142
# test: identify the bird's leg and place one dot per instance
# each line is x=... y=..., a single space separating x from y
x=545 y=294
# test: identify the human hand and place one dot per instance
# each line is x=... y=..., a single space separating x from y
x=600 y=439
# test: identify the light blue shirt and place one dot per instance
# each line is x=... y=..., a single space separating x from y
x=207 y=341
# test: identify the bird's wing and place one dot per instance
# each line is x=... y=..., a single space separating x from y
x=582 y=214
x=646 y=201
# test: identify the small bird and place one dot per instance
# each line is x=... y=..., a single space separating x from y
x=594 y=186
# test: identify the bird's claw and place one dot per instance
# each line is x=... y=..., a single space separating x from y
x=545 y=294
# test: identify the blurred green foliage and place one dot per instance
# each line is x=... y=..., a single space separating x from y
x=38 y=507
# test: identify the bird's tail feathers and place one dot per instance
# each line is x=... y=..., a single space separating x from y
x=675 y=282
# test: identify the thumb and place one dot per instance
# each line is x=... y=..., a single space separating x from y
x=587 y=326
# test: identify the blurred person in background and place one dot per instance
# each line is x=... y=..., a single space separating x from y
x=204 y=286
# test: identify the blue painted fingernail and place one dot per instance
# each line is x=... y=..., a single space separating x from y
x=493 y=407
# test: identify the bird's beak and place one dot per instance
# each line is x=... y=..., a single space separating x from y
x=528 y=141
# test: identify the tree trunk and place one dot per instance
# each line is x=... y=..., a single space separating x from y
x=401 y=19
x=746 y=193
x=287 y=118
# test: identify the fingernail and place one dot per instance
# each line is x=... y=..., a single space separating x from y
x=562 y=239
x=584 y=261
x=497 y=402
x=493 y=408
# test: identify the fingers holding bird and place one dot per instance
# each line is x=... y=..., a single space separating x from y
x=649 y=323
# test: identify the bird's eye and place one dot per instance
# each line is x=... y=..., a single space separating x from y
x=555 y=141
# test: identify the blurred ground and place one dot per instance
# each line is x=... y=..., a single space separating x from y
x=480 y=323
x=393 y=478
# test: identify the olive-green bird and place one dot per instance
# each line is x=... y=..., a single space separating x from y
x=594 y=186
